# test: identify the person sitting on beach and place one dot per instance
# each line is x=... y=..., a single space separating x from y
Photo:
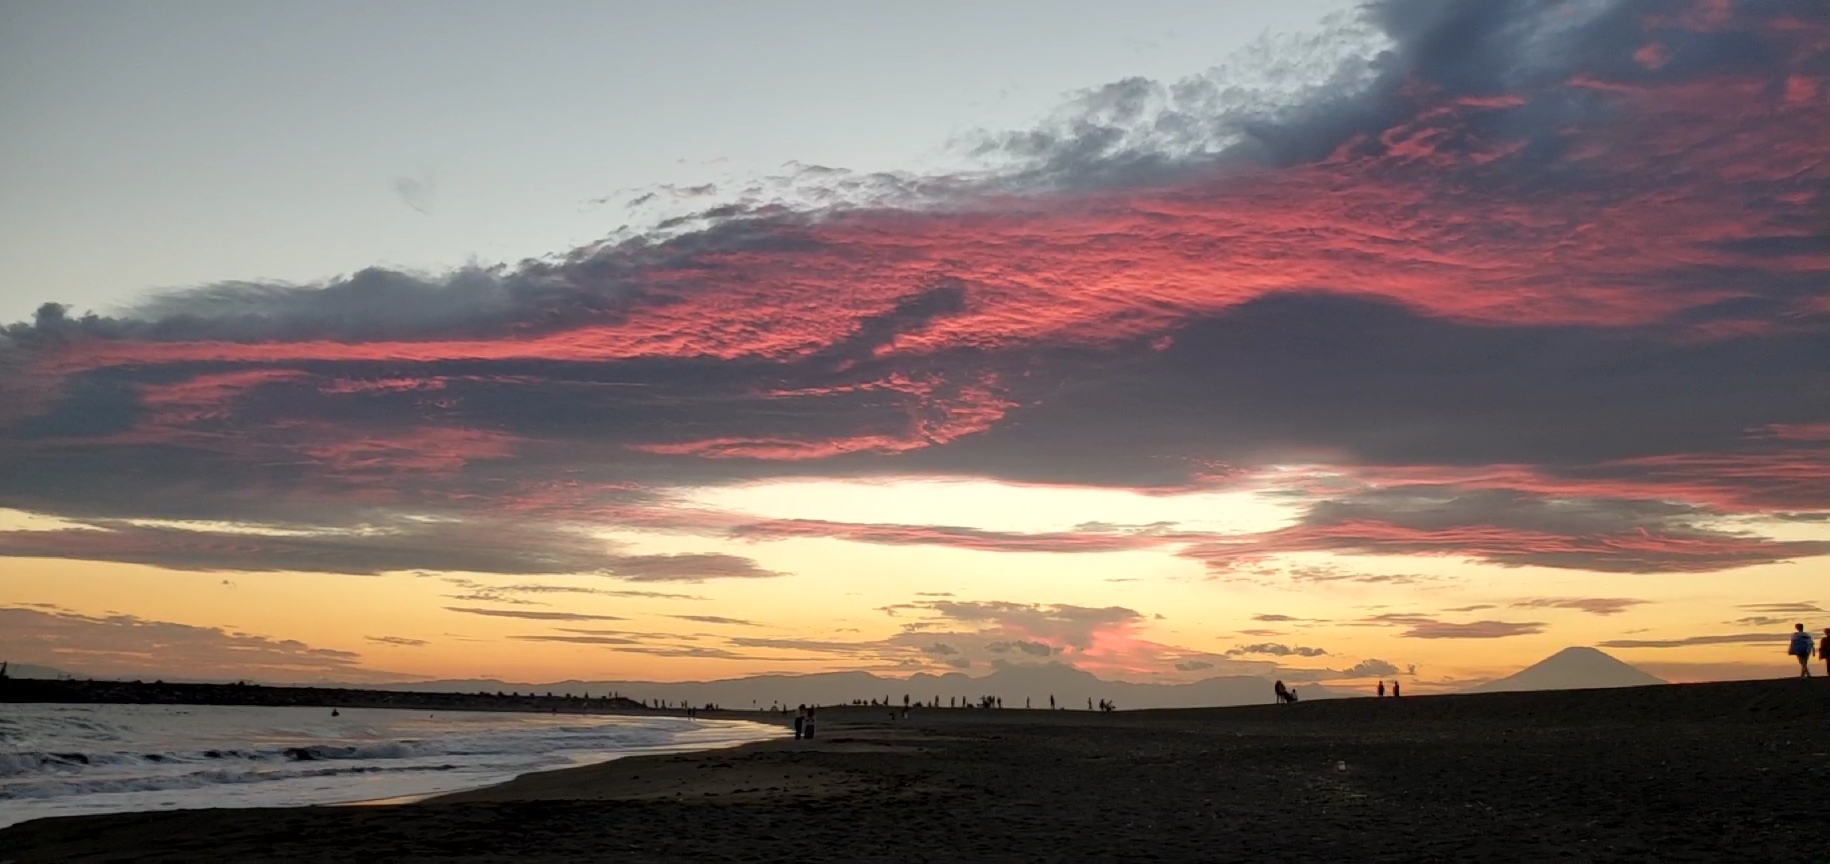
x=1801 y=648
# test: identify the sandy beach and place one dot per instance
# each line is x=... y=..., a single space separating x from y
x=1712 y=772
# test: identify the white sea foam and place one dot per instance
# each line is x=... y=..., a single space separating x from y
x=62 y=760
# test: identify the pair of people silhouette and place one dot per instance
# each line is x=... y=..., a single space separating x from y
x=804 y=721
x=1801 y=648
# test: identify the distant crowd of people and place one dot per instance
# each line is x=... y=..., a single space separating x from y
x=1802 y=649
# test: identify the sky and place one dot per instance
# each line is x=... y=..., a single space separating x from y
x=1335 y=342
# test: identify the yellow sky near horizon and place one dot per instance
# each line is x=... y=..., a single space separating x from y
x=848 y=605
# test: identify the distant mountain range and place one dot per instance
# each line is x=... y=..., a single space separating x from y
x=1572 y=669
x=1070 y=687
x=1569 y=669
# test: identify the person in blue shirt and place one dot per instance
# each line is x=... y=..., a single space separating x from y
x=1801 y=648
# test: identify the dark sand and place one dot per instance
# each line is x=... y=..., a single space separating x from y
x=1717 y=772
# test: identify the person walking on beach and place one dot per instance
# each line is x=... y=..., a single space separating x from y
x=1801 y=648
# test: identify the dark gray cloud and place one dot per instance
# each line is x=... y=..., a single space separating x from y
x=1058 y=625
x=716 y=619
x=1324 y=573
x=1768 y=638
x=1275 y=649
x=1427 y=627
x=1034 y=649
x=477 y=545
x=1567 y=318
x=398 y=641
x=1371 y=669
x=579 y=640
x=533 y=615
x=821 y=646
x=1592 y=605
x=127 y=646
x=1514 y=528
x=513 y=593
x=1800 y=607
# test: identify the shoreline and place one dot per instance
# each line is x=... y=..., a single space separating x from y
x=644 y=753
x=178 y=779
x=1670 y=773
x=103 y=692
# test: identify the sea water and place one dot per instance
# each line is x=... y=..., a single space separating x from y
x=64 y=760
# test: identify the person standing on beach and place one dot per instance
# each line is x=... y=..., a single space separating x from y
x=1395 y=693
x=800 y=722
x=1381 y=689
x=1801 y=648
x=1823 y=651
x=810 y=723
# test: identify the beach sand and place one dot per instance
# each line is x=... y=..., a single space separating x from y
x=1714 y=772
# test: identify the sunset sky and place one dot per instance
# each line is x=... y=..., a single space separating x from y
x=1167 y=339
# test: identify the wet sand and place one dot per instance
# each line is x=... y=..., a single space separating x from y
x=1715 y=772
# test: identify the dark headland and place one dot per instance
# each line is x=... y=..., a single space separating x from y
x=161 y=693
x=1734 y=771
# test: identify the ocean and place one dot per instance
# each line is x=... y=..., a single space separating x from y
x=65 y=760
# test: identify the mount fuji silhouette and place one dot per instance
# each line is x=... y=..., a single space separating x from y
x=1571 y=669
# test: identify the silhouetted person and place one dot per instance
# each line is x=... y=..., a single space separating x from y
x=1283 y=693
x=1801 y=648
x=1051 y=701
x=800 y=722
x=810 y=723
x=1823 y=651
x=1395 y=690
x=1382 y=689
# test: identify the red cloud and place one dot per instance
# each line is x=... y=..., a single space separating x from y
x=1638 y=195
x=1431 y=212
